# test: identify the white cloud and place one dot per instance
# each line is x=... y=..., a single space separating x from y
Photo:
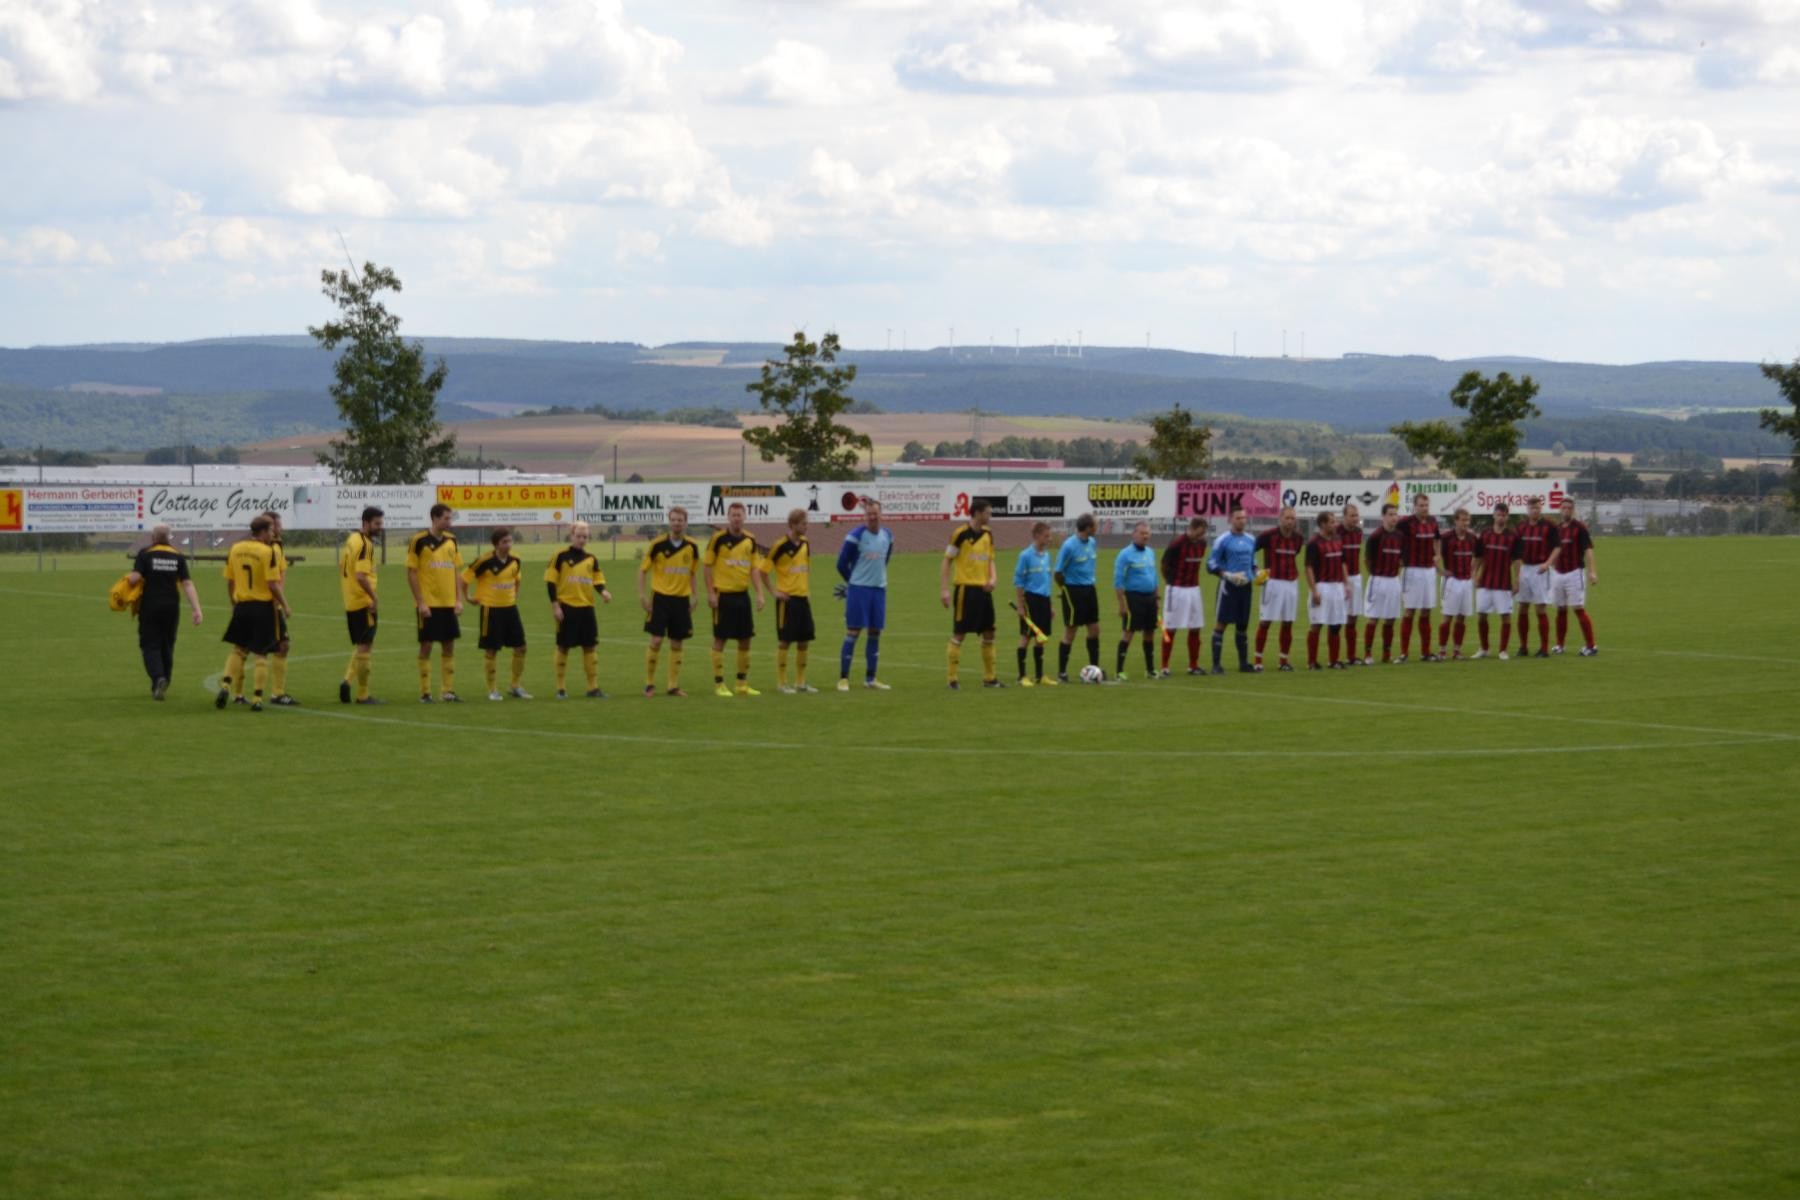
x=796 y=73
x=49 y=246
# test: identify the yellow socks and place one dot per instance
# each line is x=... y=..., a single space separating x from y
x=590 y=663
x=447 y=665
x=518 y=674
x=278 y=675
x=743 y=665
x=562 y=669
x=780 y=666
x=987 y=661
x=355 y=665
x=718 y=665
x=362 y=674
x=954 y=657
x=262 y=676
x=234 y=671
x=674 y=665
x=424 y=677
x=800 y=665
x=650 y=657
x=492 y=667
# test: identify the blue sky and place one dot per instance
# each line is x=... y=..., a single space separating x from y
x=1611 y=180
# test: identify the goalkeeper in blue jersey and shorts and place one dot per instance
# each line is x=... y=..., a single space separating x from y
x=1233 y=560
x=863 y=563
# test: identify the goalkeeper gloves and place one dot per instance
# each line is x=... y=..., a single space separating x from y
x=1238 y=577
x=840 y=590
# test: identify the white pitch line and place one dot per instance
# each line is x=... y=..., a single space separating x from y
x=976 y=751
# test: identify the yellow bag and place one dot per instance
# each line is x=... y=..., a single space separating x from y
x=124 y=595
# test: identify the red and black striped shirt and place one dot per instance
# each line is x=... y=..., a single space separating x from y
x=1572 y=544
x=1459 y=554
x=1421 y=535
x=1352 y=538
x=1537 y=541
x=1495 y=550
x=1325 y=558
x=1387 y=551
x=1183 y=562
x=1281 y=552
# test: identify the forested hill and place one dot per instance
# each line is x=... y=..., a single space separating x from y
x=497 y=376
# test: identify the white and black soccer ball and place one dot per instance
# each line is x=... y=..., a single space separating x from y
x=1092 y=674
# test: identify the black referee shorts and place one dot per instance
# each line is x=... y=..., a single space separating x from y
x=1080 y=605
x=1140 y=611
x=1038 y=609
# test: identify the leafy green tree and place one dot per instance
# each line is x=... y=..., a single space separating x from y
x=1486 y=444
x=1178 y=448
x=386 y=397
x=913 y=452
x=1782 y=424
x=807 y=394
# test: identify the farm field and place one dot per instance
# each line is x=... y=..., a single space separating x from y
x=1463 y=930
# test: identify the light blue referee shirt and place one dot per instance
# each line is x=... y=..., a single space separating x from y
x=1135 y=569
x=1077 y=559
x=1232 y=552
x=1032 y=574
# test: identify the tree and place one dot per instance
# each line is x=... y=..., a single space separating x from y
x=808 y=393
x=1178 y=448
x=386 y=397
x=913 y=452
x=1786 y=425
x=1486 y=444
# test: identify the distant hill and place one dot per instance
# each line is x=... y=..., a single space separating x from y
x=272 y=386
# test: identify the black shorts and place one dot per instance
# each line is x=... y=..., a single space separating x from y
x=362 y=627
x=670 y=617
x=1038 y=609
x=578 y=628
x=501 y=628
x=1233 y=605
x=793 y=620
x=1140 y=611
x=973 y=609
x=1080 y=604
x=256 y=626
x=734 y=618
x=440 y=626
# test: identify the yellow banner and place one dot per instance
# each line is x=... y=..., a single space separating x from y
x=499 y=497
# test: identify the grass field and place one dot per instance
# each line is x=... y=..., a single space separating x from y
x=1474 y=930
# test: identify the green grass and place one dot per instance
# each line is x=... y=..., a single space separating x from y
x=1494 y=929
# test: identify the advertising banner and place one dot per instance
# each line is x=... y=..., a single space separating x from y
x=1215 y=498
x=12 y=510
x=510 y=503
x=926 y=500
x=1310 y=497
x=216 y=506
x=404 y=507
x=1133 y=498
x=80 y=508
x=643 y=503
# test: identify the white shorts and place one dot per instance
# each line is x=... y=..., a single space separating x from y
x=1331 y=607
x=1384 y=597
x=1355 y=608
x=1184 y=608
x=1459 y=598
x=1493 y=600
x=1568 y=589
x=1281 y=600
x=1420 y=588
x=1533 y=588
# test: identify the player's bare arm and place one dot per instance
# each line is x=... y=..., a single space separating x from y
x=193 y=596
x=412 y=581
x=1592 y=572
x=368 y=586
x=944 y=576
x=280 y=594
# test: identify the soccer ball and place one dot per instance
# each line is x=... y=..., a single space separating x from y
x=1092 y=674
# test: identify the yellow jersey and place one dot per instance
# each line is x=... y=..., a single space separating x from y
x=496 y=583
x=973 y=550
x=281 y=562
x=732 y=556
x=250 y=566
x=356 y=558
x=576 y=575
x=438 y=561
x=671 y=567
x=791 y=564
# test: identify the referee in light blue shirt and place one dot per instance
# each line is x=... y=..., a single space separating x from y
x=1233 y=560
x=1135 y=578
x=1074 y=574
x=1031 y=582
x=863 y=563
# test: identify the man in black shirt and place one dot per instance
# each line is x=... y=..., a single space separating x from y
x=163 y=570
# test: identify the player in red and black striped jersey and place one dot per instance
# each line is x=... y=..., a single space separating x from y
x=1350 y=533
x=1419 y=583
x=1384 y=552
x=1572 y=572
x=1494 y=590
x=1183 y=563
x=1456 y=558
x=1281 y=548
x=1329 y=590
x=1534 y=547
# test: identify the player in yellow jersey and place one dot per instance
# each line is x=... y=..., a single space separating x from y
x=730 y=564
x=670 y=564
x=357 y=577
x=787 y=572
x=491 y=583
x=433 y=562
x=278 y=663
x=572 y=579
x=968 y=566
x=258 y=610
